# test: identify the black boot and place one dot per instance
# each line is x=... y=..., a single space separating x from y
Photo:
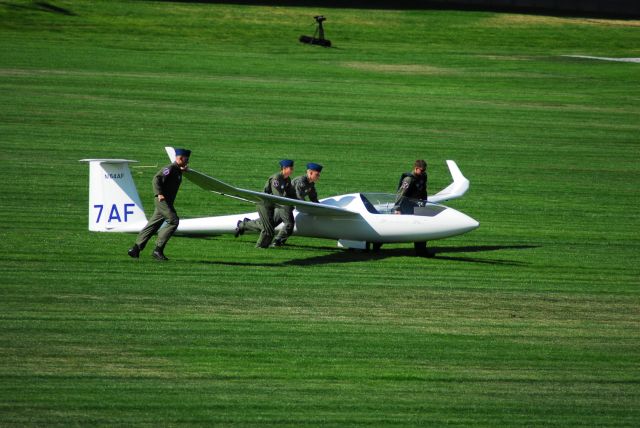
x=239 y=228
x=158 y=254
x=278 y=243
x=134 y=251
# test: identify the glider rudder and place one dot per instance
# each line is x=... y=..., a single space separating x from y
x=114 y=203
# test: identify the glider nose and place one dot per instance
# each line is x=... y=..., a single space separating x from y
x=459 y=223
x=466 y=223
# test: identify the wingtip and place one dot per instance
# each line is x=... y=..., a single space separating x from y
x=456 y=174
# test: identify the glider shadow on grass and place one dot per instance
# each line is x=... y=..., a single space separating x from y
x=338 y=256
x=341 y=256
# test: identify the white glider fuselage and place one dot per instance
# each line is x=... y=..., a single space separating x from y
x=376 y=224
x=379 y=223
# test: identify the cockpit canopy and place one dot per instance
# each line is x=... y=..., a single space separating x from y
x=384 y=203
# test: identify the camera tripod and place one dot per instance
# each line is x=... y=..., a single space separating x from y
x=318 y=35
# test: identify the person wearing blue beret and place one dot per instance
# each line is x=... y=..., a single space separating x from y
x=305 y=185
x=165 y=187
x=272 y=215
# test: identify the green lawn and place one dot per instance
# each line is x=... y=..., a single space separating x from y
x=531 y=320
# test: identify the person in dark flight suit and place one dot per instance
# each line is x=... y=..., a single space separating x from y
x=271 y=215
x=305 y=185
x=165 y=187
x=413 y=186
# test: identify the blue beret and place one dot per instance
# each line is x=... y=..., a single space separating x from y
x=183 y=152
x=314 y=166
x=284 y=163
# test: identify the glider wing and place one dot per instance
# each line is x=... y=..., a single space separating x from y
x=214 y=185
x=456 y=189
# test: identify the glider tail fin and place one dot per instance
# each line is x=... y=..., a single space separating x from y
x=114 y=203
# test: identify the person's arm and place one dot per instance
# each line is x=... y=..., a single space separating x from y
x=313 y=194
x=158 y=184
x=298 y=187
x=267 y=187
x=291 y=191
x=402 y=190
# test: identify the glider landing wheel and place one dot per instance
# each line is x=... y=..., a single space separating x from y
x=422 y=250
x=373 y=246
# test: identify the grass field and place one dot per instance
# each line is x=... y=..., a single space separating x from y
x=531 y=320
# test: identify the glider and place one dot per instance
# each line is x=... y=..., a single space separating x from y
x=355 y=220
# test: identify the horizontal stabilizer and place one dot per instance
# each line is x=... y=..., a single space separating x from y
x=116 y=161
x=172 y=153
